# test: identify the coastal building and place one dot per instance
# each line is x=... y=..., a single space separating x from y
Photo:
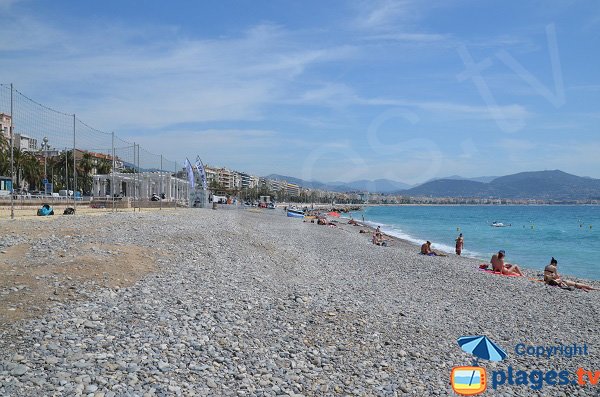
x=25 y=143
x=292 y=190
x=248 y=181
x=274 y=185
x=141 y=185
x=226 y=178
x=5 y=124
x=211 y=176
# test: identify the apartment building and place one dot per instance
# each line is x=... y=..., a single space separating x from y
x=5 y=124
x=248 y=181
x=292 y=190
x=25 y=143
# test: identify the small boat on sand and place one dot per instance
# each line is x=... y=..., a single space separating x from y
x=293 y=213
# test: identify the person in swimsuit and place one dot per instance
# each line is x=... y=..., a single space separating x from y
x=460 y=242
x=551 y=277
x=426 y=249
x=499 y=266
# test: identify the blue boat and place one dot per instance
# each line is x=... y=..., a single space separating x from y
x=295 y=213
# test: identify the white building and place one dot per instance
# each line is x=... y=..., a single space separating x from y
x=142 y=185
x=25 y=143
x=5 y=124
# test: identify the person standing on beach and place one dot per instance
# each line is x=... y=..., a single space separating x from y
x=459 y=244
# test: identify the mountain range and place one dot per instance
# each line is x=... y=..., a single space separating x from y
x=377 y=185
x=555 y=184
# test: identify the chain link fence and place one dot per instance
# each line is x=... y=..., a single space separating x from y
x=47 y=155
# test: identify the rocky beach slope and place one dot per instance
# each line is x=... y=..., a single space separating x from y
x=250 y=302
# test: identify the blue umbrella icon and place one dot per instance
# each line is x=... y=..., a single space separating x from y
x=482 y=348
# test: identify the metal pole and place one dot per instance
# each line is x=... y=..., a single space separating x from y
x=134 y=177
x=161 y=182
x=12 y=160
x=112 y=182
x=139 y=179
x=175 y=187
x=74 y=168
x=67 y=174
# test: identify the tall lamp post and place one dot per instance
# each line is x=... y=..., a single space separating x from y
x=45 y=148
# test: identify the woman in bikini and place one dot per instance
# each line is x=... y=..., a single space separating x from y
x=551 y=277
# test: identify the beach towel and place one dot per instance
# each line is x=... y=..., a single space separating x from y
x=498 y=273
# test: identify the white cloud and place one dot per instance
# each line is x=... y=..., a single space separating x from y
x=137 y=83
x=383 y=13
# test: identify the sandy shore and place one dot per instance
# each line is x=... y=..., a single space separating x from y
x=250 y=302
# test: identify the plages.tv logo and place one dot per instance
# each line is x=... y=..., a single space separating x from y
x=472 y=380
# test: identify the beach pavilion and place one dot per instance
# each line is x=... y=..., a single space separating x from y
x=141 y=185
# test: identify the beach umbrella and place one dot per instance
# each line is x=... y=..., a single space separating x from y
x=482 y=347
x=332 y=213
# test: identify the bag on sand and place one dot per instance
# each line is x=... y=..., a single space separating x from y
x=45 y=210
x=69 y=211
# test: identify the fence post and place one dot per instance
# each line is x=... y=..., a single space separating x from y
x=160 y=175
x=112 y=176
x=67 y=175
x=12 y=160
x=140 y=182
x=134 y=177
x=174 y=182
x=74 y=168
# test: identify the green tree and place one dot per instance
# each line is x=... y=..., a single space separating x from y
x=104 y=167
x=85 y=168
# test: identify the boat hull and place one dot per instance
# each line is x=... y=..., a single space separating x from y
x=294 y=214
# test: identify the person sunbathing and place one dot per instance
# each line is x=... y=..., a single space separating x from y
x=426 y=250
x=380 y=239
x=499 y=266
x=551 y=277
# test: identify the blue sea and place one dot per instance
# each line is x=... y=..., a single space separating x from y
x=536 y=233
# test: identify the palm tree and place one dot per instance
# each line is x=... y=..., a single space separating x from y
x=86 y=166
x=104 y=167
x=4 y=162
x=31 y=169
x=4 y=144
x=27 y=168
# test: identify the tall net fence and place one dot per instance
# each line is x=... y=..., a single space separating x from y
x=58 y=154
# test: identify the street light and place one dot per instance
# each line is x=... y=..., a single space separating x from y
x=45 y=148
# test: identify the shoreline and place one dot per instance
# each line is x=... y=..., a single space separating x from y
x=529 y=272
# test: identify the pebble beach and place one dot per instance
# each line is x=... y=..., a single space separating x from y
x=249 y=302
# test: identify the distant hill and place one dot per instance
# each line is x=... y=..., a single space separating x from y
x=546 y=184
x=449 y=188
x=297 y=181
x=378 y=185
x=555 y=184
x=484 y=179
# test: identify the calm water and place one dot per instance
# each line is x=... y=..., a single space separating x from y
x=569 y=233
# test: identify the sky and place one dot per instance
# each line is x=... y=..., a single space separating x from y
x=331 y=91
